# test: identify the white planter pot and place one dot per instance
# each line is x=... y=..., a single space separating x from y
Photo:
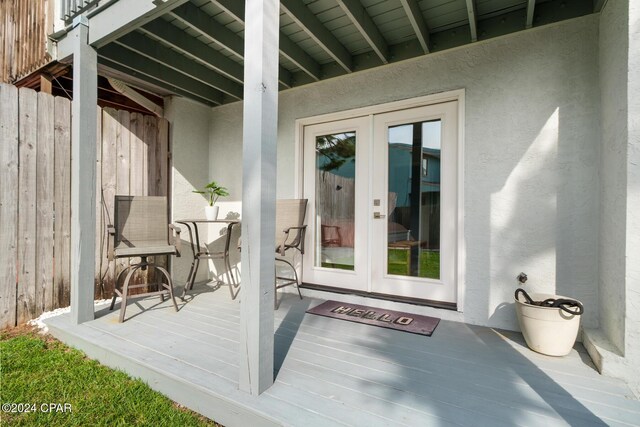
x=211 y=212
x=547 y=330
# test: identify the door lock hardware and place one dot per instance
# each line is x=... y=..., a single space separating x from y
x=377 y=215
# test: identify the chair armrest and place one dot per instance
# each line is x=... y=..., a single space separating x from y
x=175 y=238
x=299 y=243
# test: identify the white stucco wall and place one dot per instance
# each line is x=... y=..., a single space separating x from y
x=531 y=149
x=189 y=130
x=613 y=48
x=615 y=346
x=633 y=200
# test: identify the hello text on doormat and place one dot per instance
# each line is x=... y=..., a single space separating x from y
x=390 y=319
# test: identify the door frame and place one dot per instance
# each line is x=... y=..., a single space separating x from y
x=454 y=95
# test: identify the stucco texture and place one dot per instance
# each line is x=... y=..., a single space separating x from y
x=531 y=149
x=190 y=159
x=613 y=48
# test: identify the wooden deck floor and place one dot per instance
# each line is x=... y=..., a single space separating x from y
x=331 y=372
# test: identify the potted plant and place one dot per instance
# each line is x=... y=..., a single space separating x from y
x=212 y=191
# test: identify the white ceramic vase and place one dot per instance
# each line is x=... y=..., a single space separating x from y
x=211 y=212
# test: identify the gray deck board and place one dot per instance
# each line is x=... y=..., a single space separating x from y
x=331 y=372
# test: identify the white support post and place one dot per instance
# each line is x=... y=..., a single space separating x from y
x=258 y=194
x=83 y=172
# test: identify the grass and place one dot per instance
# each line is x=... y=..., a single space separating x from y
x=38 y=370
x=398 y=263
x=429 y=263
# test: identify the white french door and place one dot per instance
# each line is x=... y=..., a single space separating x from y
x=336 y=182
x=413 y=249
x=382 y=193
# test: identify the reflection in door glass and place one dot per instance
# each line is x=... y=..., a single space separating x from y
x=413 y=239
x=335 y=200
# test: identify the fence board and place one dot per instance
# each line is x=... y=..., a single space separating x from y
x=123 y=167
x=157 y=152
x=44 y=205
x=109 y=162
x=62 y=202
x=27 y=146
x=139 y=180
x=138 y=185
x=100 y=229
x=8 y=205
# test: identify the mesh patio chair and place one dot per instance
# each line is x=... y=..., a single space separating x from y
x=290 y=231
x=140 y=230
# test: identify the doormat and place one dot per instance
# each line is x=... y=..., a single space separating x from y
x=407 y=322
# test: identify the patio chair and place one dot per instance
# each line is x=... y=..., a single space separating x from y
x=290 y=231
x=140 y=230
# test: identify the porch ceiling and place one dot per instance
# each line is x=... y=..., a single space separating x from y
x=196 y=50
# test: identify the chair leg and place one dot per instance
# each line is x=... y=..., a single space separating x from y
x=125 y=291
x=275 y=290
x=117 y=287
x=191 y=273
x=295 y=275
x=169 y=285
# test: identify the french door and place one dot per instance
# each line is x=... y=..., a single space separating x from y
x=336 y=183
x=382 y=193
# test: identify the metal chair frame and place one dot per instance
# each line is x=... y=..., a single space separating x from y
x=294 y=237
x=137 y=248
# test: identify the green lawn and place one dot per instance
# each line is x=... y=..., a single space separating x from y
x=429 y=263
x=398 y=263
x=41 y=370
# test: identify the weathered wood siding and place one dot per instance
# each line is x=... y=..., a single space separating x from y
x=35 y=191
x=24 y=25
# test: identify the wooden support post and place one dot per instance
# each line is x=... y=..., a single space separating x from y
x=258 y=194
x=83 y=172
x=46 y=84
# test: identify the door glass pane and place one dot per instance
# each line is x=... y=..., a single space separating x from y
x=413 y=239
x=335 y=200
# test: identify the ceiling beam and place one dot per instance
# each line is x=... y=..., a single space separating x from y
x=195 y=18
x=172 y=59
x=298 y=56
x=418 y=23
x=195 y=49
x=109 y=67
x=155 y=70
x=235 y=8
x=531 y=4
x=192 y=16
x=365 y=25
x=473 y=19
x=311 y=25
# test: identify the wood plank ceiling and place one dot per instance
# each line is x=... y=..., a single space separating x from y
x=196 y=50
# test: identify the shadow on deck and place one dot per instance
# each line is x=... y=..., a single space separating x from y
x=332 y=372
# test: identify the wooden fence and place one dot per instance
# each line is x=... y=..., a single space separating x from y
x=24 y=25
x=35 y=189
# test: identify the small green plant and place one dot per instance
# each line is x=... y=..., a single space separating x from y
x=213 y=192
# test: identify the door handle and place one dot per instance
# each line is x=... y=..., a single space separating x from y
x=377 y=215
